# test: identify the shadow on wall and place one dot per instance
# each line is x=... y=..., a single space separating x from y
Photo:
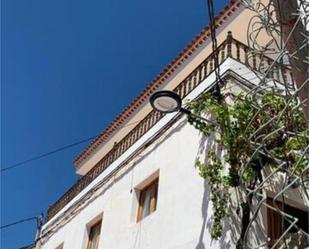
x=205 y=205
x=206 y=144
x=99 y=190
x=230 y=233
x=140 y=158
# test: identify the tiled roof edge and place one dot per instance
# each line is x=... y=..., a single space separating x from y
x=156 y=83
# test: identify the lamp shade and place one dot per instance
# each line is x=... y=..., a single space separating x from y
x=165 y=101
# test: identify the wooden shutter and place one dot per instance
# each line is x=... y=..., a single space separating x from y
x=274 y=222
x=141 y=205
x=153 y=197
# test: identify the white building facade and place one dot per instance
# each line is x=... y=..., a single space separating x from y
x=139 y=187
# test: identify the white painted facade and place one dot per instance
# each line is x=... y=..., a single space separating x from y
x=183 y=215
x=178 y=219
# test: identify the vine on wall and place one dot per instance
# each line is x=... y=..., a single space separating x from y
x=254 y=132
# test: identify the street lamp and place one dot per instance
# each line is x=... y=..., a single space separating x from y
x=168 y=102
x=165 y=101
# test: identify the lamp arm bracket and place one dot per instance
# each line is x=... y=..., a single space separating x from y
x=189 y=113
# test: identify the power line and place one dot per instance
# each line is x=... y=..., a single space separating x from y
x=18 y=222
x=28 y=246
x=19 y=164
x=46 y=154
x=212 y=25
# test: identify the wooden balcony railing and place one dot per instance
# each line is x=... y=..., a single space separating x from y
x=229 y=48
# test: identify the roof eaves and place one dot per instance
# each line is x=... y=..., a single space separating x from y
x=156 y=83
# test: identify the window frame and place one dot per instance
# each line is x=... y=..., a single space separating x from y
x=275 y=223
x=60 y=246
x=151 y=188
x=91 y=229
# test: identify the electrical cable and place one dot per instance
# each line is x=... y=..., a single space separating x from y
x=28 y=246
x=54 y=151
x=18 y=222
x=212 y=25
x=46 y=154
x=73 y=210
x=264 y=15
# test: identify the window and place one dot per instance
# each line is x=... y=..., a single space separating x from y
x=277 y=225
x=94 y=235
x=147 y=200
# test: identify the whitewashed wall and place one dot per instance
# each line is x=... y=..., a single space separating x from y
x=183 y=216
x=183 y=211
x=182 y=219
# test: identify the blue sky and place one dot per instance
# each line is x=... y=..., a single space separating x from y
x=68 y=67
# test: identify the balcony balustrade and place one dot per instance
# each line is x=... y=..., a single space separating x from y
x=230 y=48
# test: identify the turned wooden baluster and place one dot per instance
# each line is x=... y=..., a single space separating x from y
x=223 y=53
x=254 y=60
x=237 y=51
x=246 y=55
x=229 y=40
x=205 y=69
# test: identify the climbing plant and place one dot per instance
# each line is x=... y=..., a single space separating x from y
x=266 y=130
